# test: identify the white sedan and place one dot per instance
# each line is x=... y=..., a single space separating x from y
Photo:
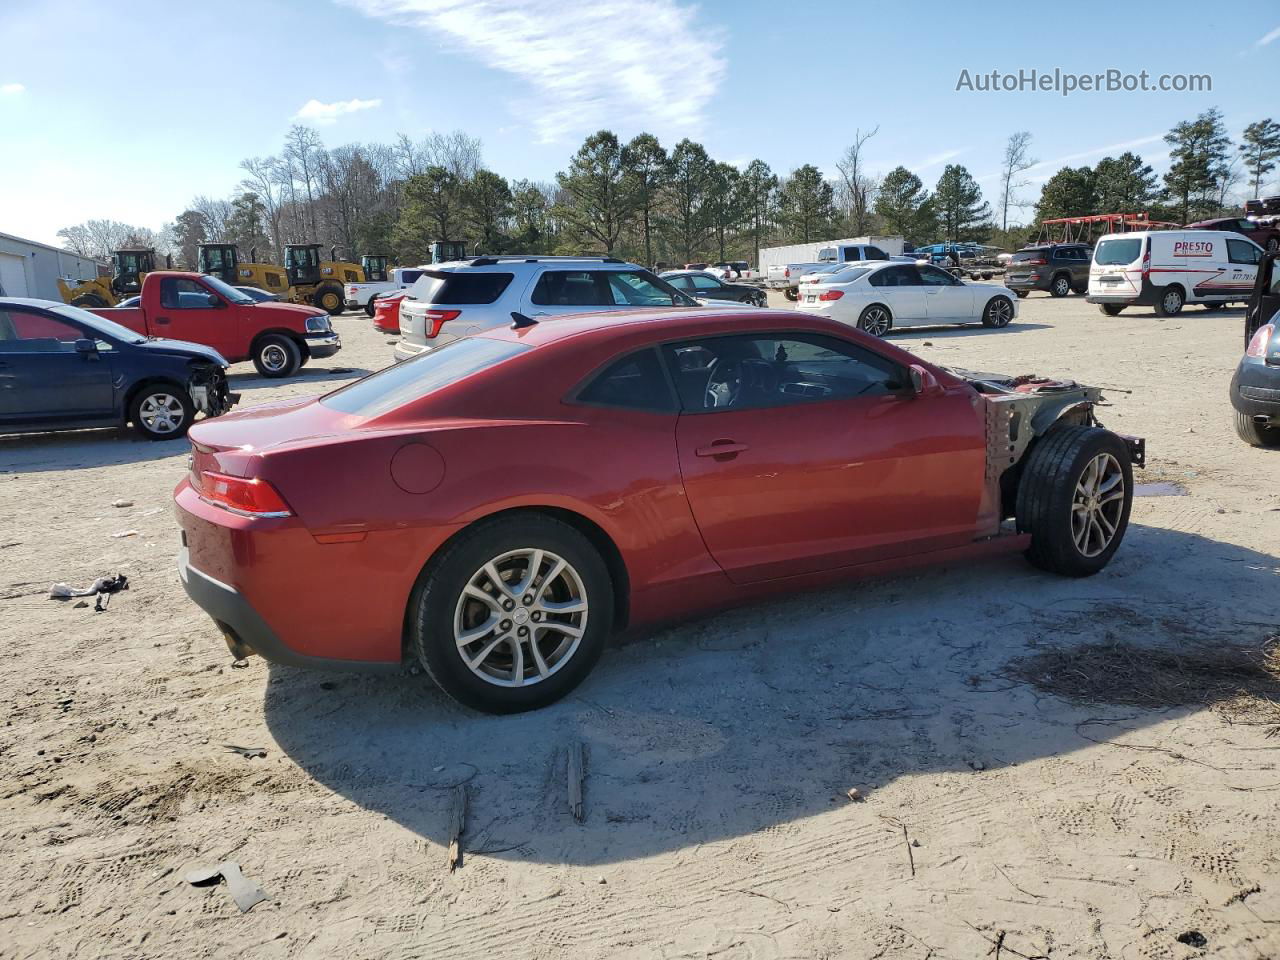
x=877 y=298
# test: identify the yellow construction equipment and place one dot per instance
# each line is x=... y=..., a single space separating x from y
x=316 y=281
x=128 y=267
x=222 y=260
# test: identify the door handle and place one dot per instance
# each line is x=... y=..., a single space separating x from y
x=162 y=319
x=721 y=448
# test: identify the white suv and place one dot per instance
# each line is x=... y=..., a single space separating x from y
x=452 y=300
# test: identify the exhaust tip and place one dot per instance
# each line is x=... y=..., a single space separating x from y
x=239 y=649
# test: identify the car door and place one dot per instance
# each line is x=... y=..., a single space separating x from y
x=191 y=311
x=710 y=288
x=42 y=375
x=947 y=299
x=804 y=452
x=902 y=290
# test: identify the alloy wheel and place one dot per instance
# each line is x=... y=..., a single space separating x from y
x=876 y=321
x=1000 y=312
x=161 y=413
x=1061 y=286
x=520 y=618
x=274 y=358
x=1097 y=505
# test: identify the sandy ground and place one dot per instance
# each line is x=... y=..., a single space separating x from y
x=997 y=819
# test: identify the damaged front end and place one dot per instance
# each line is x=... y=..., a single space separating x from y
x=209 y=390
x=1021 y=409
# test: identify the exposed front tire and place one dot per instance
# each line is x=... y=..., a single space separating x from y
x=329 y=299
x=1074 y=499
x=513 y=614
x=1171 y=302
x=369 y=308
x=163 y=411
x=1111 y=309
x=876 y=320
x=277 y=356
x=1256 y=434
x=998 y=312
x=1060 y=287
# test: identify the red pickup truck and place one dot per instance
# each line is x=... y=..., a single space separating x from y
x=278 y=337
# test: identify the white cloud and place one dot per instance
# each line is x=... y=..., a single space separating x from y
x=938 y=158
x=645 y=64
x=11 y=89
x=326 y=113
x=1046 y=168
x=1268 y=38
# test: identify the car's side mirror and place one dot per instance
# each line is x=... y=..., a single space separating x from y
x=86 y=347
x=923 y=382
x=214 y=300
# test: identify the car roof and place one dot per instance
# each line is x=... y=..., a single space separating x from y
x=688 y=273
x=29 y=302
x=511 y=262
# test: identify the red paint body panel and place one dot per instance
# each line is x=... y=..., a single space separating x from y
x=229 y=329
x=826 y=490
x=386 y=313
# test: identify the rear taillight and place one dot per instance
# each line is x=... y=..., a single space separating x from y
x=1146 y=264
x=249 y=496
x=786 y=272
x=433 y=320
x=831 y=295
x=1258 y=345
x=1032 y=263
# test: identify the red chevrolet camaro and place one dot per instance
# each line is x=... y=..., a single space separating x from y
x=386 y=312
x=496 y=508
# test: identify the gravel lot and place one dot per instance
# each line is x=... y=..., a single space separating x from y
x=996 y=818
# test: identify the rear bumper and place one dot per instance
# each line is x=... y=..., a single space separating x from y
x=323 y=345
x=1255 y=390
x=1033 y=282
x=246 y=631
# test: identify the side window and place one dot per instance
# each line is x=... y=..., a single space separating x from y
x=1242 y=251
x=635 y=382
x=26 y=331
x=852 y=254
x=875 y=253
x=181 y=293
x=903 y=276
x=933 y=277
x=705 y=283
x=568 y=288
x=762 y=370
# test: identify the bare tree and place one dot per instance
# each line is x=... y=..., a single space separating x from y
x=1017 y=160
x=457 y=152
x=215 y=214
x=857 y=189
x=301 y=146
x=264 y=179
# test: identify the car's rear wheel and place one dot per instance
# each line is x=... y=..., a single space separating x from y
x=162 y=412
x=875 y=320
x=791 y=293
x=998 y=312
x=277 y=356
x=369 y=308
x=514 y=614
x=1256 y=434
x=1111 y=309
x=1213 y=306
x=1074 y=499
x=1170 y=302
x=1022 y=294
x=1060 y=287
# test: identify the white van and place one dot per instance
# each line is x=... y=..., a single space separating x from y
x=1167 y=269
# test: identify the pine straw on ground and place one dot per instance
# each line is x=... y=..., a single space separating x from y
x=1242 y=682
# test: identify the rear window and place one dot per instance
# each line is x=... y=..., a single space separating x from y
x=1118 y=252
x=459 y=286
x=410 y=276
x=1022 y=256
x=847 y=276
x=420 y=376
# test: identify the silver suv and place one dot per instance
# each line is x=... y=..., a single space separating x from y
x=452 y=300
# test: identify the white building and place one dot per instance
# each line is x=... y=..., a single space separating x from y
x=30 y=269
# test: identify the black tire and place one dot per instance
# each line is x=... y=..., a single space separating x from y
x=1256 y=434
x=369 y=308
x=987 y=275
x=1022 y=294
x=997 y=313
x=1079 y=290
x=435 y=601
x=792 y=294
x=276 y=356
x=876 y=320
x=1111 y=309
x=1047 y=493
x=1213 y=306
x=89 y=301
x=1273 y=245
x=162 y=411
x=1171 y=301
x=1060 y=286
x=328 y=297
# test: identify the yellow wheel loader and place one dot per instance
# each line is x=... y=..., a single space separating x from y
x=316 y=281
x=128 y=267
x=222 y=260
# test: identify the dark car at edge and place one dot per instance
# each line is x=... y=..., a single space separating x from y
x=696 y=283
x=1255 y=387
x=1056 y=268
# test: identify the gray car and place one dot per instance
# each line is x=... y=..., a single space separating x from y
x=1056 y=268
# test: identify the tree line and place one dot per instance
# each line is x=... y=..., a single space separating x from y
x=639 y=200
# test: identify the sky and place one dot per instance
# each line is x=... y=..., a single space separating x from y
x=128 y=119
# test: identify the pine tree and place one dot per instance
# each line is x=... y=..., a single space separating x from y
x=957 y=199
x=1261 y=149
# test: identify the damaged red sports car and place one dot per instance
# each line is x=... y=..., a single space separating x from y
x=496 y=508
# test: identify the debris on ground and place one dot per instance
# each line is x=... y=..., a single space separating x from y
x=122 y=503
x=124 y=533
x=457 y=824
x=576 y=776
x=99 y=587
x=855 y=795
x=245 y=893
x=248 y=753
